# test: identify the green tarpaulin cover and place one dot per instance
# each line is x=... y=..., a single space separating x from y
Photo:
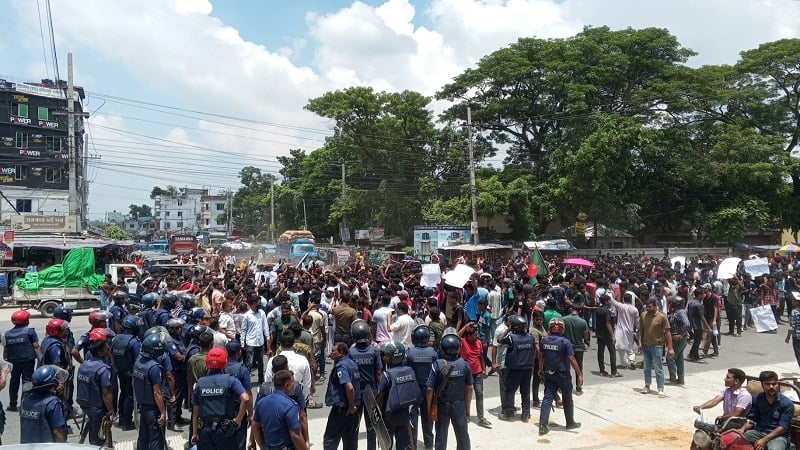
x=77 y=270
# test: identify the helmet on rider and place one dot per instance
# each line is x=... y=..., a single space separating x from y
x=395 y=350
x=98 y=319
x=63 y=313
x=360 y=331
x=153 y=346
x=57 y=328
x=421 y=335
x=451 y=345
x=48 y=377
x=149 y=299
x=21 y=317
x=556 y=326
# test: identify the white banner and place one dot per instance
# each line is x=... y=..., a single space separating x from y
x=727 y=268
x=431 y=275
x=459 y=276
x=755 y=267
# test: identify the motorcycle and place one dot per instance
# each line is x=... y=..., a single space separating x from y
x=720 y=435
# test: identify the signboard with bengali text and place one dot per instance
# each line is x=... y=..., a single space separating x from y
x=30 y=223
x=7 y=246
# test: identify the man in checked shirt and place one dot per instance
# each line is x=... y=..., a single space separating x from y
x=794 y=326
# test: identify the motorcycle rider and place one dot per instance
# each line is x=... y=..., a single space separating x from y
x=125 y=348
x=770 y=417
x=21 y=348
x=41 y=414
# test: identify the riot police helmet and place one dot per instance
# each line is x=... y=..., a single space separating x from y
x=421 y=335
x=197 y=331
x=176 y=323
x=360 y=331
x=119 y=296
x=451 y=345
x=57 y=328
x=21 y=317
x=197 y=314
x=188 y=300
x=395 y=350
x=159 y=331
x=48 y=377
x=153 y=346
x=100 y=334
x=63 y=313
x=518 y=323
x=131 y=322
x=149 y=299
x=98 y=319
x=168 y=301
x=556 y=326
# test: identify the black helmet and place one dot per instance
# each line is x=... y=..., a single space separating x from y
x=158 y=331
x=188 y=301
x=360 y=331
x=197 y=330
x=63 y=313
x=421 y=335
x=395 y=350
x=168 y=301
x=153 y=346
x=47 y=377
x=149 y=299
x=451 y=345
x=131 y=322
x=119 y=295
x=518 y=323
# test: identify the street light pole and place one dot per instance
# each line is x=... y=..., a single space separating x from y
x=472 y=187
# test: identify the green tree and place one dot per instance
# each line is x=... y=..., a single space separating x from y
x=137 y=211
x=117 y=233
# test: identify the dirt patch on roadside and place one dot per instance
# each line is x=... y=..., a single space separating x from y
x=617 y=436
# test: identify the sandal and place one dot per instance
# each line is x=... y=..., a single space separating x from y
x=616 y=375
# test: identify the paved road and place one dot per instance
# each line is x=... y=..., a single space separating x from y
x=614 y=414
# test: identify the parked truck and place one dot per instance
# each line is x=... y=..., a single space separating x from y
x=296 y=245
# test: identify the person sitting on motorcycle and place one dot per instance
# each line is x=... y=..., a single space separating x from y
x=770 y=417
x=735 y=399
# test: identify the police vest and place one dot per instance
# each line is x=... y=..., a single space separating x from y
x=335 y=395
x=44 y=353
x=454 y=392
x=123 y=355
x=122 y=312
x=34 y=427
x=521 y=352
x=421 y=359
x=89 y=393
x=176 y=346
x=217 y=401
x=148 y=320
x=233 y=368
x=162 y=316
x=142 y=387
x=365 y=360
x=555 y=356
x=403 y=389
x=20 y=347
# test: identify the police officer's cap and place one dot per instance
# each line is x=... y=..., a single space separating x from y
x=233 y=346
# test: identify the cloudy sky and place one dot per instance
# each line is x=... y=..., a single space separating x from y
x=186 y=92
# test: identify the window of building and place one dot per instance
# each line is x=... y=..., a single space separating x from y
x=20 y=109
x=53 y=144
x=220 y=206
x=20 y=172
x=205 y=206
x=166 y=214
x=20 y=140
x=44 y=113
x=180 y=203
x=52 y=175
x=166 y=225
x=130 y=226
x=180 y=213
x=207 y=222
x=179 y=224
x=24 y=205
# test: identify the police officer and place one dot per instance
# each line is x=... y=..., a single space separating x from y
x=21 y=347
x=196 y=315
x=397 y=392
x=147 y=314
x=450 y=389
x=169 y=389
x=97 y=319
x=41 y=413
x=95 y=392
x=53 y=350
x=344 y=398
x=242 y=373
x=421 y=357
x=125 y=348
x=268 y=387
x=117 y=310
x=164 y=312
x=187 y=302
x=220 y=403
x=277 y=422
x=370 y=365
x=520 y=358
x=148 y=380
x=557 y=356
x=65 y=313
x=177 y=354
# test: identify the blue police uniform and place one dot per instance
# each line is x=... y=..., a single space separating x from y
x=93 y=375
x=39 y=414
x=147 y=373
x=173 y=348
x=268 y=387
x=218 y=395
x=53 y=352
x=278 y=414
x=368 y=359
x=452 y=405
x=341 y=425
x=148 y=316
x=520 y=359
x=125 y=349
x=242 y=373
x=82 y=344
x=400 y=391
x=421 y=359
x=556 y=350
x=118 y=313
x=162 y=316
x=19 y=343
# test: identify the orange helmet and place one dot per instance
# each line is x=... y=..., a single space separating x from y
x=57 y=328
x=556 y=325
x=98 y=319
x=217 y=358
x=21 y=317
x=99 y=334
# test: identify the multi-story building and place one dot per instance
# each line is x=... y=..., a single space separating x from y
x=212 y=207
x=34 y=153
x=179 y=212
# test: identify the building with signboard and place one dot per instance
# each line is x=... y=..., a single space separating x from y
x=429 y=239
x=34 y=157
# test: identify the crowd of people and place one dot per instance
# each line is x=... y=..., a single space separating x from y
x=420 y=354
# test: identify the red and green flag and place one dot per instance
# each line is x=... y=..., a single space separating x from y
x=536 y=266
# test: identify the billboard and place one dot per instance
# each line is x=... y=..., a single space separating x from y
x=7 y=246
x=33 y=223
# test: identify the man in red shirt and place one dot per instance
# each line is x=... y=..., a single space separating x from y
x=472 y=352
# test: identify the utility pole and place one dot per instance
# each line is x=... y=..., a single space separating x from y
x=272 y=210
x=305 y=218
x=73 y=169
x=230 y=212
x=472 y=188
x=344 y=222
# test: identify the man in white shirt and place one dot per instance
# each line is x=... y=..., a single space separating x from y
x=297 y=363
x=254 y=334
x=403 y=326
x=383 y=319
